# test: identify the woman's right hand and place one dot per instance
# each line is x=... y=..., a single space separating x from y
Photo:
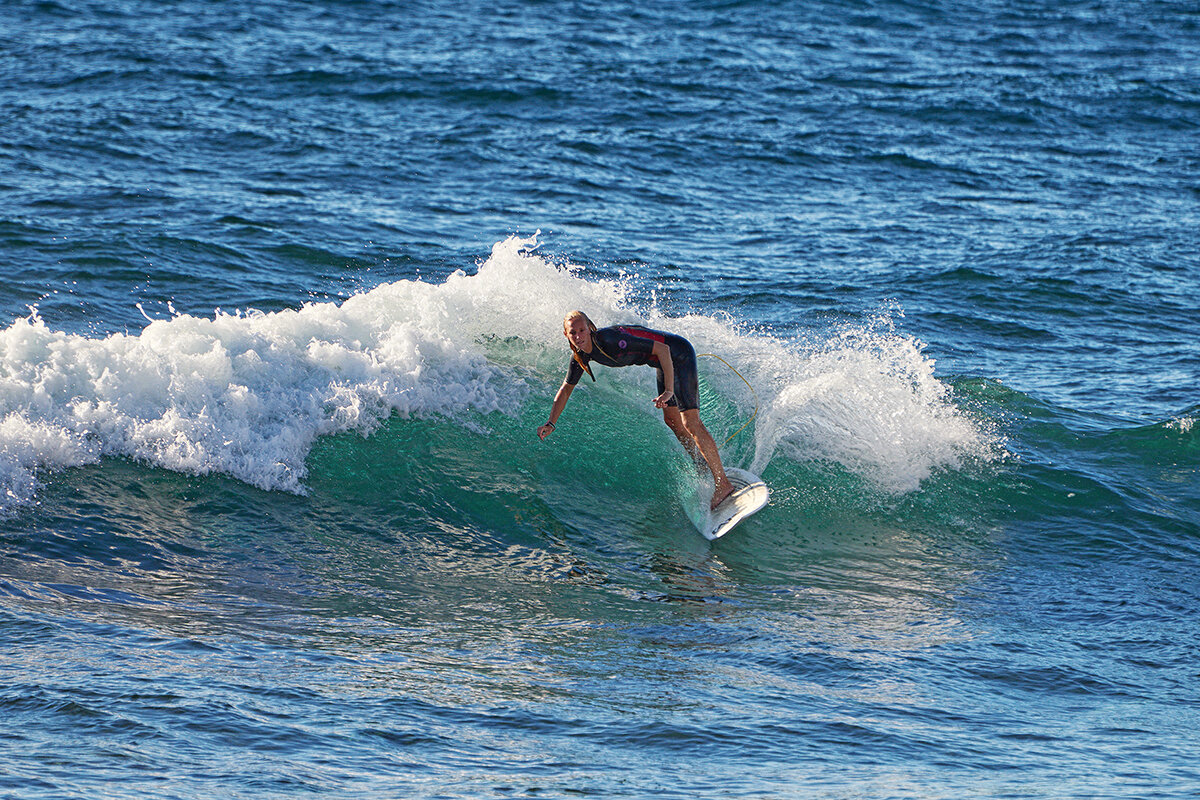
x=545 y=430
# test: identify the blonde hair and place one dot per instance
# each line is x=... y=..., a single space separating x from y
x=577 y=315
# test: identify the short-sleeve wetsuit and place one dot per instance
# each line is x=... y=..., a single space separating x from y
x=629 y=345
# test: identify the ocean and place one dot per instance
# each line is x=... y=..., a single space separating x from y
x=281 y=297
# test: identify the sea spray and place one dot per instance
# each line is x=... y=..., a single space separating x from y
x=863 y=397
x=868 y=399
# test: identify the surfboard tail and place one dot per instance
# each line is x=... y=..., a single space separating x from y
x=749 y=496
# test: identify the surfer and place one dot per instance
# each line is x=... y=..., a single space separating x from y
x=674 y=359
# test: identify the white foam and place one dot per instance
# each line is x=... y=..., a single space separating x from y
x=247 y=394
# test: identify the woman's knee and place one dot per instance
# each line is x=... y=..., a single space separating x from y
x=690 y=420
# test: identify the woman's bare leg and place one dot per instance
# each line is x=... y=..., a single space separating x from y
x=708 y=449
x=674 y=421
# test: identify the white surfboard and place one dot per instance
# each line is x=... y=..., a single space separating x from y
x=749 y=495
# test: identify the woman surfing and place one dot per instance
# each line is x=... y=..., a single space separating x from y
x=674 y=359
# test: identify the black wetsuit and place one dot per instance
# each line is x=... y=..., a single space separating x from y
x=628 y=345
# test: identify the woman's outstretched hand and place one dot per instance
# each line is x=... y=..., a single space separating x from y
x=664 y=398
x=545 y=430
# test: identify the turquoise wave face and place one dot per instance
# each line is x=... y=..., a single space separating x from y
x=415 y=396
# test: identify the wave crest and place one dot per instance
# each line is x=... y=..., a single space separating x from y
x=247 y=394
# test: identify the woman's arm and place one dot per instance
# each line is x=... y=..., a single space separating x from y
x=560 y=402
x=663 y=354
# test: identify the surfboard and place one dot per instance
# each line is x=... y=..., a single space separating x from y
x=749 y=495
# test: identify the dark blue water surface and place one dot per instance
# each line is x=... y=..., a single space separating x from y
x=281 y=288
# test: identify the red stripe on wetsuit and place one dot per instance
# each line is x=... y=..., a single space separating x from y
x=645 y=334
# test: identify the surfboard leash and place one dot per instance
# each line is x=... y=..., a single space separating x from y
x=748 y=386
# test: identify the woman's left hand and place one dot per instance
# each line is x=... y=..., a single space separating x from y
x=664 y=398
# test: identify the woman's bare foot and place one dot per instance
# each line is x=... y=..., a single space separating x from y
x=724 y=489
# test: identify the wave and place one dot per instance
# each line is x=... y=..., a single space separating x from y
x=247 y=394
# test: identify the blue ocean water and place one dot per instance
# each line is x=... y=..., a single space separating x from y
x=281 y=297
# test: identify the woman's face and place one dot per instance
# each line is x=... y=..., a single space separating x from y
x=580 y=335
